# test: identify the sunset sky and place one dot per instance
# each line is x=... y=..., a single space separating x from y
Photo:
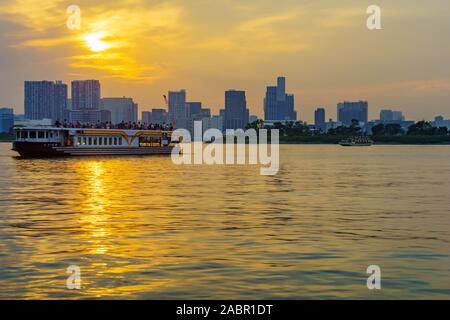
x=142 y=49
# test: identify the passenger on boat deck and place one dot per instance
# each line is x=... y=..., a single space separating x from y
x=109 y=125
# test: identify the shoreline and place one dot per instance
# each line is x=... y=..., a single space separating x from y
x=376 y=143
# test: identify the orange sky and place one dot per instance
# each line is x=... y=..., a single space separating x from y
x=142 y=49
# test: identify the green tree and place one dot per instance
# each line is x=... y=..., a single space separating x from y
x=379 y=130
x=393 y=129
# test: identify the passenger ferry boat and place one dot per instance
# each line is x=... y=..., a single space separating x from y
x=361 y=141
x=61 y=142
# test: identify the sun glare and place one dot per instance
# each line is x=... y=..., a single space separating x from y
x=95 y=42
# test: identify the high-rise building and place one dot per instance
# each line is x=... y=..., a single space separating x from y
x=319 y=119
x=214 y=122
x=6 y=119
x=45 y=100
x=60 y=107
x=439 y=121
x=290 y=113
x=105 y=116
x=177 y=108
x=195 y=112
x=277 y=104
x=236 y=112
x=193 y=108
x=146 y=117
x=156 y=116
x=86 y=95
x=281 y=89
x=122 y=109
x=387 y=115
x=86 y=102
x=349 y=111
x=159 y=116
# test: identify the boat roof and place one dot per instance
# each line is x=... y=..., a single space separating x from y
x=75 y=130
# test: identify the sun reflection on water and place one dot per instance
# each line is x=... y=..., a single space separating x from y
x=145 y=228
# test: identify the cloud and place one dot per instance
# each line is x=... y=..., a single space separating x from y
x=268 y=34
x=125 y=28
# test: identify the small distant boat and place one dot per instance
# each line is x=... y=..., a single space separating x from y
x=361 y=141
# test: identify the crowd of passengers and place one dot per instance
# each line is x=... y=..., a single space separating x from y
x=122 y=125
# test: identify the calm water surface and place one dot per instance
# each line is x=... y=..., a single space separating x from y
x=141 y=227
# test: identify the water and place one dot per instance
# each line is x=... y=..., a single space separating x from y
x=141 y=227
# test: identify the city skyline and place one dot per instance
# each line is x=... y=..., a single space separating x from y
x=177 y=101
x=325 y=50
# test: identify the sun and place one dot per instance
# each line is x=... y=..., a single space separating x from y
x=95 y=42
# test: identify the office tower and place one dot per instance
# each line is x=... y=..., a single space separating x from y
x=86 y=102
x=146 y=117
x=349 y=111
x=319 y=119
x=195 y=112
x=45 y=100
x=159 y=116
x=290 y=112
x=236 y=112
x=439 y=121
x=397 y=116
x=177 y=108
x=277 y=104
x=387 y=115
x=193 y=108
x=122 y=109
x=214 y=122
x=6 y=120
x=59 y=111
x=105 y=116
x=86 y=95
x=281 y=89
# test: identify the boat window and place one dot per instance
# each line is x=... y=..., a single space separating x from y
x=95 y=141
x=51 y=134
x=120 y=141
x=79 y=141
x=115 y=141
x=46 y=134
x=90 y=141
x=32 y=134
x=23 y=134
x=110 y=141
x=41 y=134
x=100 y=141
